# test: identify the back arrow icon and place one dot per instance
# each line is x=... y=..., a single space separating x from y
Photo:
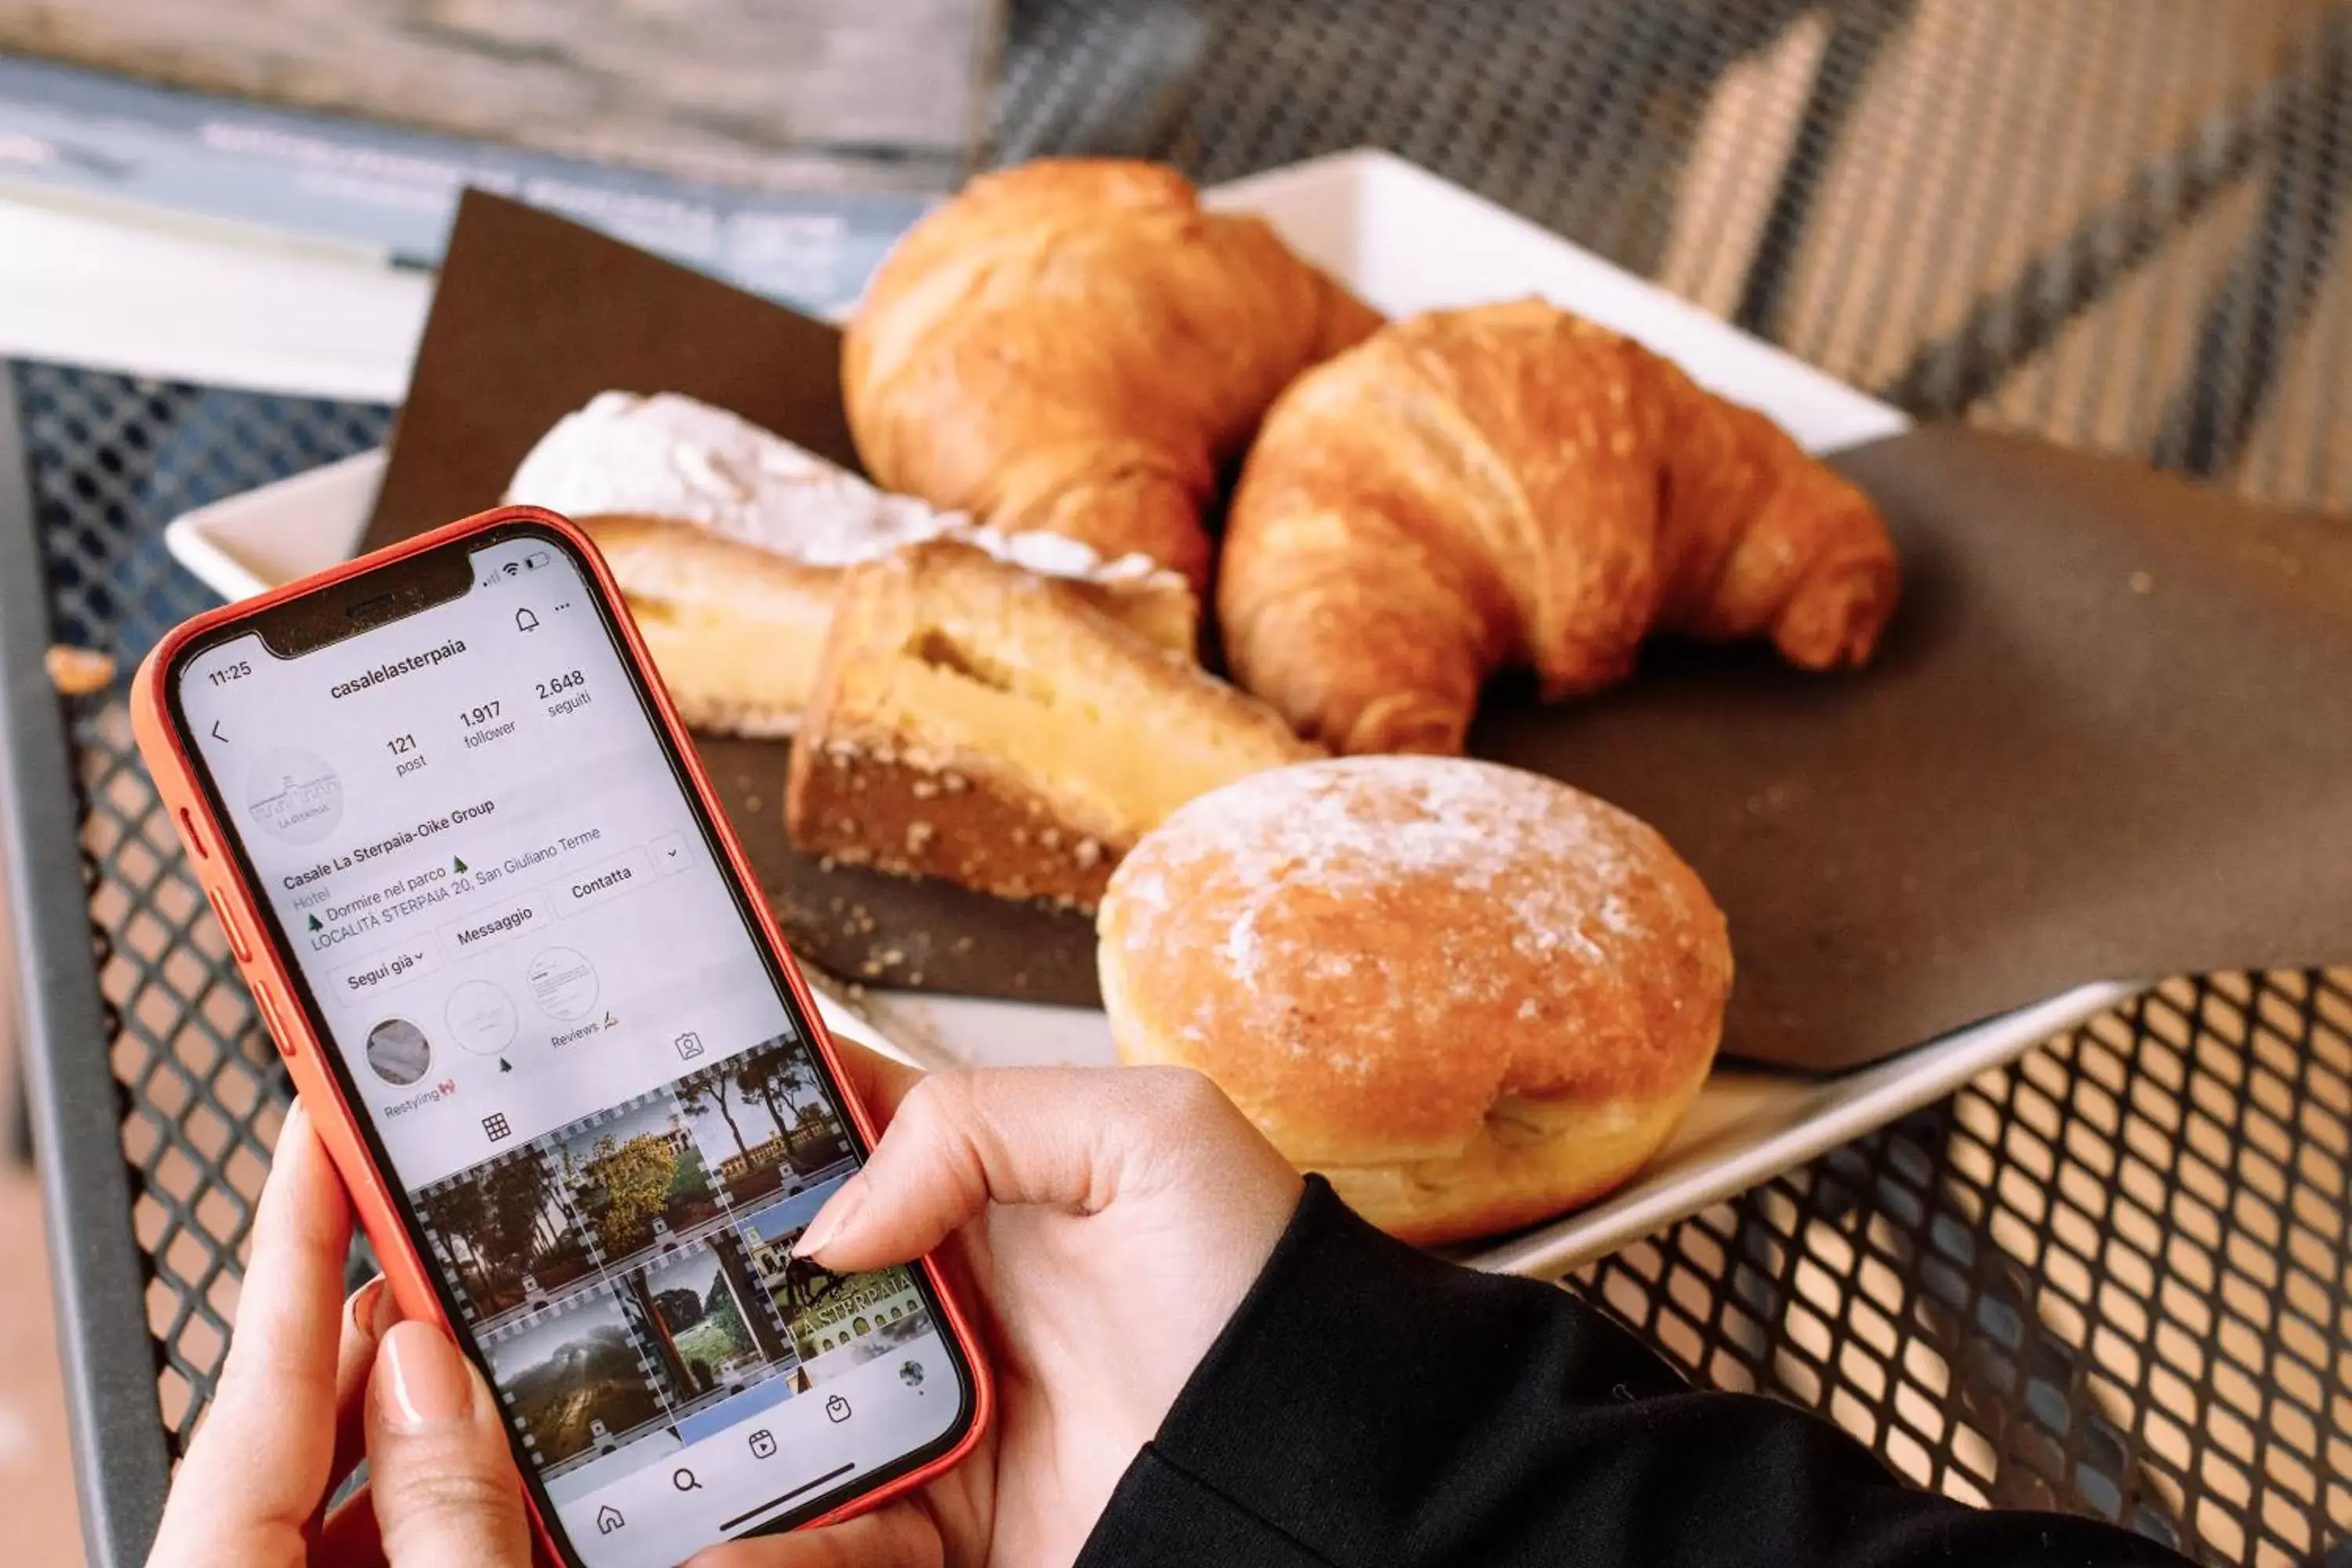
x=217 y=735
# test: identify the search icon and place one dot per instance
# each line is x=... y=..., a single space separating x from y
x=683 y=1480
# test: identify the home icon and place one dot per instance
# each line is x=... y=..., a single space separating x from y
x=608 y=1519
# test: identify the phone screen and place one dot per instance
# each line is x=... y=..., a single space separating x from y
x=573 y=1056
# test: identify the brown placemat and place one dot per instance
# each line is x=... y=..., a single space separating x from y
x=2099 y=741
x=533 y=317
x=2104 y=739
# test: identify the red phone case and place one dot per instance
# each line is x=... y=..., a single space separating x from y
x=266 y=969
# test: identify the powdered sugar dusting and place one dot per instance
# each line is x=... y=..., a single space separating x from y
x=1551 y=876
x=1401 y=942
x=1056 y=554
x=670 y=455
x=1148 y=890
x=1355 y=824
x=1241 y=945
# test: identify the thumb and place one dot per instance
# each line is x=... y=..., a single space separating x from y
x=1067 y=1138
x=445 y=1492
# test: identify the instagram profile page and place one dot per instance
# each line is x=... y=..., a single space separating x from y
x=568 y=1044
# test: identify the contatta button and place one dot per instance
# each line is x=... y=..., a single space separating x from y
x=229 y=926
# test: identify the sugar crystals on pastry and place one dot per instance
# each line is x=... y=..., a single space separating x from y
x=983 y=724
x=730 y=544
x=1470 y=996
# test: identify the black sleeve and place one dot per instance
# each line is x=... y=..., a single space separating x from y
x=1370 y=1407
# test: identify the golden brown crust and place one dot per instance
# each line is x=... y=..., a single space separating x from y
x=1546 y=1165
x=738 y=632
x=972 y=722
x=1510 y=484
x=1075 y=345
x=1462 y=991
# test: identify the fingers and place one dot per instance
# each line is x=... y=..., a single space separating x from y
x=879 y=1082
x=898 y=1536
x=1060 y=1137
x=445 y=1492
x=259 y=1467
x=367 y=1315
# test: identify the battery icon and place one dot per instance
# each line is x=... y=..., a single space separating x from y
x=536 y=559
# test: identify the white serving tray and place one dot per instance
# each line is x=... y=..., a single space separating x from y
x=1406 y=241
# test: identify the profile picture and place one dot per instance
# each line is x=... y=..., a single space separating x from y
x=398 y=1052
x=294 y=794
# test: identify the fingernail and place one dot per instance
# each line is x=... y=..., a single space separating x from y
x=387 y=1309
x=365 y=1312
x=424 y=1379
x=832 y=1219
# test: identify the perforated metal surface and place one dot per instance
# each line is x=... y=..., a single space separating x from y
x=112 y=459
x=2114 y=1278
x=2106 y=221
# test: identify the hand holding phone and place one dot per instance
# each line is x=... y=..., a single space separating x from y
x=1103 y=1306
x=1112 y=1219
x=314 y=1384
x=551 y=1039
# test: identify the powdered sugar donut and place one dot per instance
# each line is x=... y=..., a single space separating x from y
x=1470 y=996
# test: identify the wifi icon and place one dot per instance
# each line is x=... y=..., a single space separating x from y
x=512 y=567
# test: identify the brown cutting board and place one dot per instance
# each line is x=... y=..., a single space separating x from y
x=534 y=316
x=2105 y=737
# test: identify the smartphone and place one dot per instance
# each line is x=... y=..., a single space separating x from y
x=521 y=973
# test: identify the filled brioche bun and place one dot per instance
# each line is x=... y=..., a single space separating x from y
x=1470 y=996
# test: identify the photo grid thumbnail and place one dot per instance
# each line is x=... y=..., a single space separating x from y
x=629 y=1273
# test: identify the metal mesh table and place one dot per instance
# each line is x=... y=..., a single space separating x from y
x=2114 y=1278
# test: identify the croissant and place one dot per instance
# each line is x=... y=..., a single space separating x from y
x=1076 y=346
x=1510 y=484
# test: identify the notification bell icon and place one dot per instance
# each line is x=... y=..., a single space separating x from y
x=525 y=621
